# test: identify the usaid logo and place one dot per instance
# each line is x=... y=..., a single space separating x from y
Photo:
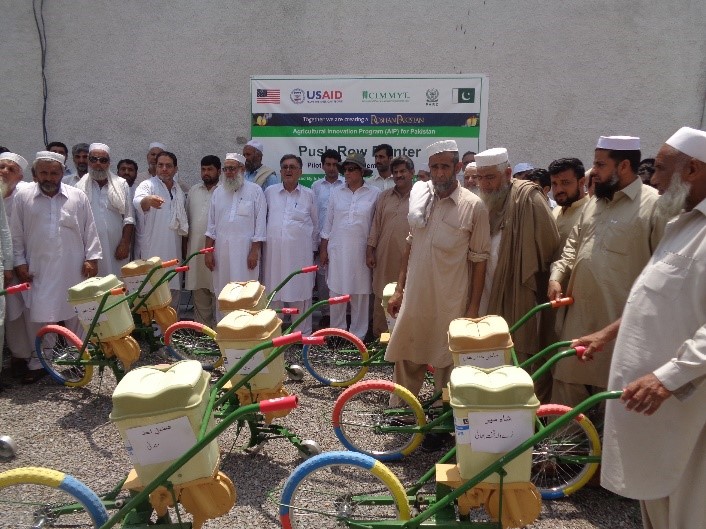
x=297 y=96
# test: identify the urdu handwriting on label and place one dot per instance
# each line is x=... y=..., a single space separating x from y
x=150 y=446
x=157 y=430
x=504 y=418
x=493 y=435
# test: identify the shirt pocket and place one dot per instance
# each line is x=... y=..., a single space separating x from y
x=67 y=220
x=449 y=238
x=667 y=276
x=245 y=208
x=299 y=215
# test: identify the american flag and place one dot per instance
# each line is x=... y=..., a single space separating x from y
x=268 y=95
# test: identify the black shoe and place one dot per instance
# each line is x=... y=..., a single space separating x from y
x=18 y=367
x=434 y=442
x=33 y=375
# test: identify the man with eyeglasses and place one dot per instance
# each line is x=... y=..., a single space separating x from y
x=292 y=238
x=109 y=196
x=344 y=239
x=199 y=278
x=524 y=239
x=237 y=218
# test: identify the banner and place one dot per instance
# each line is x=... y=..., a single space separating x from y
x=308 y=115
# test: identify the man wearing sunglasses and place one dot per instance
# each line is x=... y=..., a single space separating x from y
x=109 y=196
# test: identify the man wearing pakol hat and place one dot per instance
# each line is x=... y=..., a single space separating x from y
x=55 y=246
x=113 y=212
x=292 y=238
x=654 y=436
x=442 y=271
x=254 y=170
x=344 y=237
x=160 y=205
x=199 y=279
x=616 y=234
x=11 y=307
x=237 y=223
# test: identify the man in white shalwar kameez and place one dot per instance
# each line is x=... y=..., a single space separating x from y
x=55 y=245
x=163 y=221
x=113 y=213
x=237 y=222
x=292 y=239
x=12 y=168
x=199 y=278
x=343 y=246
x=654 y=446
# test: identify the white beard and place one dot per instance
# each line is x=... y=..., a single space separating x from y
x=674 y=198
x=235 y=183
x=98 y=175
x=494 y=199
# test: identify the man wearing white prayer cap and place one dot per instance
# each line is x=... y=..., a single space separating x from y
x=153 y=150
x=112 y=207
x=254 y=170
x=523 y=238
x=616 y=233
x=654 y=436
x=441 y=274
x=237 y=223
x=11 y=307
x=55 y=246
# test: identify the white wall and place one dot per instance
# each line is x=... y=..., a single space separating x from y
x=128 y=72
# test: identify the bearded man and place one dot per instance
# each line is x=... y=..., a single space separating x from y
x=523 y=238
x=237 y=224
x=568 y=177
x=617 y=232
x=441 y=273
x=109 y=196
x=654 y=437
x=55 y=245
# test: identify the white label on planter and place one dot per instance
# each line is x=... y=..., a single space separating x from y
x=132 y=283
x=160 y=442
x=86 y=311
x=485 y=359
x=499 y=431
x=463 y=431
x=233 y=356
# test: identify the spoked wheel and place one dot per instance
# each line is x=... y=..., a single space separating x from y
x=41 y=497
x=365 y=421
x=189 y=340
x=331 y=489
x=564 y=462
x=340 y=361
x=59 y=351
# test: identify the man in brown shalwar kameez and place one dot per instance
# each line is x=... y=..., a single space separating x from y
x=524 y=239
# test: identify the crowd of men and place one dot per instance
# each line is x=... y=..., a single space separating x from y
x=471 y=237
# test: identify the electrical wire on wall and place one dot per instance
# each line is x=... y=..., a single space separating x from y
x=41 y=32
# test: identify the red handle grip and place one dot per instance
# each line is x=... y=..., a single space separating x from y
x=580 y=350
x=210 y=249
x=117 y=291
x=313 y=340
x=312 y=268
x=339 y=299
x=18 y=288
x=288 y=310
x=562 y=302
x=171 y=262
x=294 y=337
x=181 y=268
x=283 y=403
